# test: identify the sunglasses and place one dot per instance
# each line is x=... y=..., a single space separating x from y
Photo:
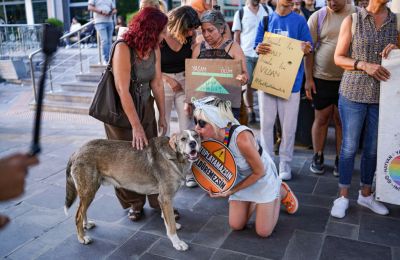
x=200 y=122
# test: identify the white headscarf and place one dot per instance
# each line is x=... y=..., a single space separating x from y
x=212 y=112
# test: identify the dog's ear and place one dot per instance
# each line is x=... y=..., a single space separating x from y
x=172 y=142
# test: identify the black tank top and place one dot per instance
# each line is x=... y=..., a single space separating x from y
x=220 y=53
x=172 y=61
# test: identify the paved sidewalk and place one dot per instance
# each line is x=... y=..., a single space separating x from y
x=40 y=230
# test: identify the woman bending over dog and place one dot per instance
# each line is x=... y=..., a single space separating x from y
x=258 y=187
x=141 y=45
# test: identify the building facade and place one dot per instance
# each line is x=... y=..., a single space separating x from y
x=37 y=11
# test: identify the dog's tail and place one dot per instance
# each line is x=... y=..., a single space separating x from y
x=70 y=188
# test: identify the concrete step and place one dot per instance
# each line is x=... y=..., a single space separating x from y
x=63 y=107
x=80 y=86
x=97 y=68
x=90 y=77
x=70 y=96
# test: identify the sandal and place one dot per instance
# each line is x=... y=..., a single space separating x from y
x=135 y=215
x=290 y=201
x=3 y=221
x=176 y=214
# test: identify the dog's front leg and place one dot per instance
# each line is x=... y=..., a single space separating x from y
x=170 y=224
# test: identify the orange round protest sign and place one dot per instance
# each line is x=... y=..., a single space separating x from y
x=215 y=170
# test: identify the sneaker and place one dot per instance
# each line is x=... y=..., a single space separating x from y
x=290 y=201
x=190 y=181
x=285 y=173
x=340 y=205
x=336 y=167
x=372 y=204
x=317 y=164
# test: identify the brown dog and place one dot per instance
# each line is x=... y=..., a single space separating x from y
x=159 y=168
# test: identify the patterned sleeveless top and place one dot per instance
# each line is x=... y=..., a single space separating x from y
x=367 y=44
x=207 y=52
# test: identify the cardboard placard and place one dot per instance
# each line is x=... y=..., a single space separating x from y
x=276 y=72
x=217 y=77
x=388 y=162
x=215 y=170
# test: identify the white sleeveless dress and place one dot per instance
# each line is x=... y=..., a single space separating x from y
x=266 y=189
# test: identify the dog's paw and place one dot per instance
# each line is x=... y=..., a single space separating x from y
x=89 y=225
x=180 y=245
x=85 y=240
x=178 y=226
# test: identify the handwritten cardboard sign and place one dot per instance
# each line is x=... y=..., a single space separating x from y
x=217 y=77
x=216 y=169
x=388 y=162
x=276 y=72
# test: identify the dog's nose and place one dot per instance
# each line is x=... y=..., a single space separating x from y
x=192 y=144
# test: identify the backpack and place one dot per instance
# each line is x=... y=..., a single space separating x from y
x=354 y=22
x=320 y=21
x=231 y=130
x=265 y=18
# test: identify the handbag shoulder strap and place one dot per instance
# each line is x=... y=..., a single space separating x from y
x=133 y=72
x=109 y=65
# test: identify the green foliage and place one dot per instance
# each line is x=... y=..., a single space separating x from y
x=130 y=16
x=55 y=22
x=127 y=8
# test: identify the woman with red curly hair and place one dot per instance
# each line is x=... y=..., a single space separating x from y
x=138 y=57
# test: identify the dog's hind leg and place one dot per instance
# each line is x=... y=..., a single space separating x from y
x=170 y=224
x=81 y=218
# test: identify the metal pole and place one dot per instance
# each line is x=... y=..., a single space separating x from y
x=80 y=51
x=33 y=73
x=50 y=79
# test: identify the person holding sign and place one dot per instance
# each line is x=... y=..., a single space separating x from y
x=216 y=46
x=365 y=38
x=286 y=22
x=258 y=187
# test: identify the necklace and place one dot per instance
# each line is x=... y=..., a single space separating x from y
x=218 y=44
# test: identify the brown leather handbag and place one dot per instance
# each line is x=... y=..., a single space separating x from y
x=106 y=104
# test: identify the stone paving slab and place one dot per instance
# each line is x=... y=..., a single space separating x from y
x=40 y=230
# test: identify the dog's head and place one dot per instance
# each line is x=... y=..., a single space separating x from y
x=187 y=143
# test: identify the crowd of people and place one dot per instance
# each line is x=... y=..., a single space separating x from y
x=331 y=80
x=343 y=47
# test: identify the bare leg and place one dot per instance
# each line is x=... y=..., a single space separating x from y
x=239 y=214
x=320 y=128
x=267 y=215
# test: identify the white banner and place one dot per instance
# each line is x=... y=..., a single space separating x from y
x=388 y=165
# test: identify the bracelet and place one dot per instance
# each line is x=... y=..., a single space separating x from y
x=355 y=64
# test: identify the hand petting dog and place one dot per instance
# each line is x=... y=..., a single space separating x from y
x=158 y=166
